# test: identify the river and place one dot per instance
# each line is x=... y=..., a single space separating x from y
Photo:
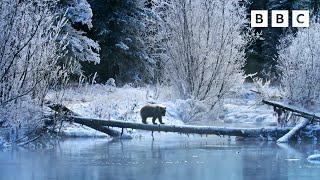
x=169 y=156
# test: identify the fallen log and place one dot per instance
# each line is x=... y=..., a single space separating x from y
x=267 y=132
x=111 y=132
x=187 y=129
x=306 y=115
x=293 y=131
x=301 y=112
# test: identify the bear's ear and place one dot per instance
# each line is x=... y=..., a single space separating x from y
x=164 y=109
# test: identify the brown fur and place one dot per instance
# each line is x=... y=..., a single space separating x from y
x=154 y=111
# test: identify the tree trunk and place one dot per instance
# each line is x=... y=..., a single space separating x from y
x=273 y=132
x=293 y=131
x=285 y=133
x=302 y=112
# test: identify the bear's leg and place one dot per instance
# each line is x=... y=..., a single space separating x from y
x=144 y=120
x=154 y=120
x=160 y=120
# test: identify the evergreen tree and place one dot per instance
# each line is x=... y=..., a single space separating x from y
x=79 y=47
x=119 y=27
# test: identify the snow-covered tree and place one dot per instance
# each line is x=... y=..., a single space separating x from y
x=205 y=47
x=263 y=54
x=119 y=27
x=153 y=37
x=28 y=57
x=80 y=47
x=299 y=63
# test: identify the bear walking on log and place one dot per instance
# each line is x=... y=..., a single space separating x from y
x=154 y=111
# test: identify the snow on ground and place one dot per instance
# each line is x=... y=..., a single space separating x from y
x=248 y=110
x=108 y=102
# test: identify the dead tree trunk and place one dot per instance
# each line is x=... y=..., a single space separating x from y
x=306 y=115
x=187 y=129
x=298 y=111
x=267 y=132
x=293 y=131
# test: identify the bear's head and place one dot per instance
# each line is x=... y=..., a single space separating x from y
x=162 y=110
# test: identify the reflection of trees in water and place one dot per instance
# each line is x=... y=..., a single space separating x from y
x=263 y=162
x=162 y=159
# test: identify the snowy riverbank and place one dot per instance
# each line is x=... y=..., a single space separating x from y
x=109 y=102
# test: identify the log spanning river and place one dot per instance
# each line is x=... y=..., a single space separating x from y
x=169 y=156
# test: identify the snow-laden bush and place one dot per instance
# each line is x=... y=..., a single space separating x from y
x=205 y=47
x=190 y=110
x=265 y=90
x=28 y=58
x=299 y=63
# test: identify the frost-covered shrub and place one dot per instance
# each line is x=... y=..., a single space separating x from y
x=205 y=47
x=28 y=57
x=111 y=82
x=265 y=90
x=299 y=63
x=25 y=113
x=190 y=110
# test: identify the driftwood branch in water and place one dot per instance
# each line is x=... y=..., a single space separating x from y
x=111 y=132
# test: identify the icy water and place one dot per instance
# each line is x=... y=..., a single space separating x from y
x=167 y=157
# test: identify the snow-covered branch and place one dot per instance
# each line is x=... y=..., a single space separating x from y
x=28 y=56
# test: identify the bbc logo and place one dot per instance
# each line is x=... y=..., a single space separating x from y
x=280 y=18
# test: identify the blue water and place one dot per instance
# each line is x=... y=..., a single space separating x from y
x=167 y=157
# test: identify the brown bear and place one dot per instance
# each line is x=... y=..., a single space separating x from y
x=154 y=111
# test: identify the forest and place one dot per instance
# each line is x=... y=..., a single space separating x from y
x=85 y=68
x=198 y=53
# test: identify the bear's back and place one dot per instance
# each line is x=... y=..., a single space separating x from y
x=149 y=111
